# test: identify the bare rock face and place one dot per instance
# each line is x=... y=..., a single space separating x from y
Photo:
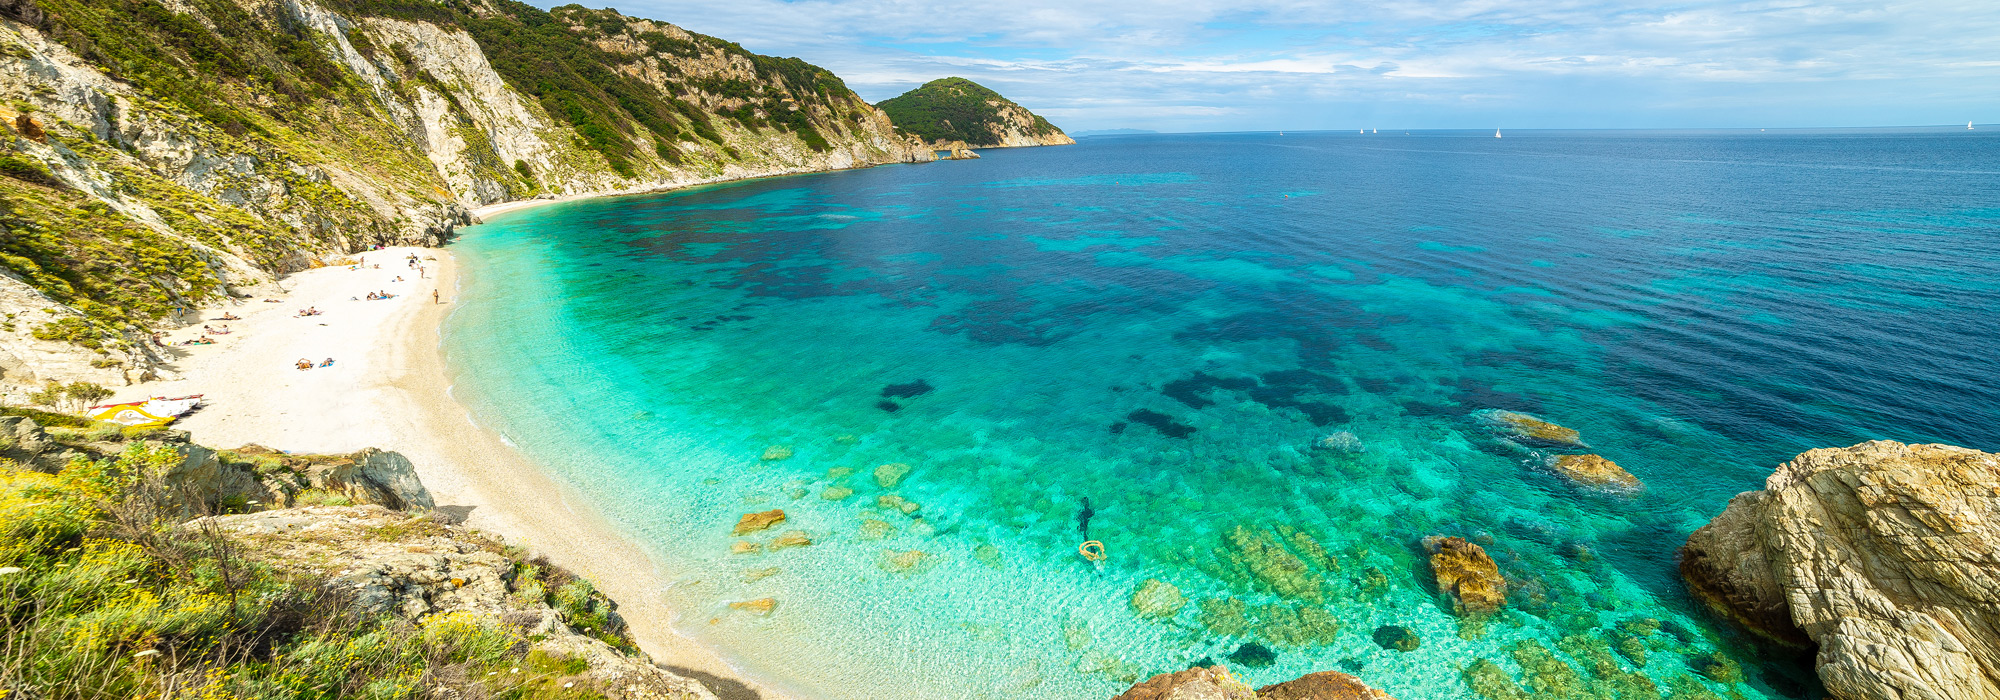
x=1464 y=571
x=1325 y=685
x=1885 y=555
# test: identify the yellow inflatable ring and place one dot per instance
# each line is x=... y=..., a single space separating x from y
x=1092 y=550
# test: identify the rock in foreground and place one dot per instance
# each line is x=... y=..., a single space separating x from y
x=1885 y=555
x=415 y=567
x=1325 y=685
x=1216 y=683
x=1199 y=683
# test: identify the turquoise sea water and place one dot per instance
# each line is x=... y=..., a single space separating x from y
x=1146 y=336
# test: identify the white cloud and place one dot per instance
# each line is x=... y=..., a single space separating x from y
x=1211 y=64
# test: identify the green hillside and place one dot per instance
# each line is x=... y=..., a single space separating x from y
x=956 y=109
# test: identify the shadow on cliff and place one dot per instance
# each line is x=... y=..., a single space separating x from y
x=724 y=688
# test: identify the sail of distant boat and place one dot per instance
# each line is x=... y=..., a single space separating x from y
x=1496 y=133
x=1377 y=131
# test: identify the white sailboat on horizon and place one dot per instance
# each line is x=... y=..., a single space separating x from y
x=1496 y=133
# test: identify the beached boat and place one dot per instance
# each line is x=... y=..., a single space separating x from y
x=153 y=412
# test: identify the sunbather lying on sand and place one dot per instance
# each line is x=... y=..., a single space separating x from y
x=303 y=364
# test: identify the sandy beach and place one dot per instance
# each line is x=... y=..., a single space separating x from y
x=388 y=388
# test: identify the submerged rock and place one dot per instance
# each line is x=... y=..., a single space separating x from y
x=1342 y=442
x=761 y=606
x=1200 y=683
x=1467 y=574
x=791 y=538
x=745 y=547
x=1158 y=599
x=1397 y=638
x=1324 y=685
x=777 y=452
x=836 y=493
x=894 y=502
x=753 y=522
x=1529 y=430
x=1253 y=655
x=1594 y=471
x=889 y=475
x=1882 y=554
x=872 y=529
x=912 y=561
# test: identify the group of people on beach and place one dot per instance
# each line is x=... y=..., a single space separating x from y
x=309 y=311
x=305 y=364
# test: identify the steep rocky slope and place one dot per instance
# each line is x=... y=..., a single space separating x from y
x=950 y=111
x=156 y=155
x=1884 y=555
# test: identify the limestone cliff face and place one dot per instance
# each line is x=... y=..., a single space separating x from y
x=1885 y=555
x=228 y=141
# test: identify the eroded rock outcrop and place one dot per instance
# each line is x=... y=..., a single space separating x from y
x=414 y=566
x=1885 y=555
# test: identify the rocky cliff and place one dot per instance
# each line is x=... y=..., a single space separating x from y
x=1885 y=556
x=157 y=155
x=956 y=111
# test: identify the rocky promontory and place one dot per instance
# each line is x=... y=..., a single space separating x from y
x=1885 y=556
x=950 y=112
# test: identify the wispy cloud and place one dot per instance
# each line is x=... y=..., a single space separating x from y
x=1260 y=64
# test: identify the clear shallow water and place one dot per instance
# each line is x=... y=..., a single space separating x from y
x=1165 y=325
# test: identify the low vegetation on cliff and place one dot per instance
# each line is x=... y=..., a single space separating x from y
x=956 y=109
x=127 y=573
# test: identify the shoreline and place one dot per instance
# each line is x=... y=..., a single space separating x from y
x=391 y=389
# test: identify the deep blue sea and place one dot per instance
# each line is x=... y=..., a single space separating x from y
x=1142 y=340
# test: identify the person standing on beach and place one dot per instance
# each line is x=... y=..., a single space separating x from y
x=434 y=297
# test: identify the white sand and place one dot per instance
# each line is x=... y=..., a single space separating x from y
x=388 y=388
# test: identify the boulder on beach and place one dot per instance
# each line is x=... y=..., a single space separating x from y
x=1594 y=471
x=1529 y=430
x=1467 y=574
x=889 y=475
x=753 y=522
x=1158 y=599
x=1881 y=554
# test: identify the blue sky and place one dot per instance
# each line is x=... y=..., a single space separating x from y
x=1211 y=65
